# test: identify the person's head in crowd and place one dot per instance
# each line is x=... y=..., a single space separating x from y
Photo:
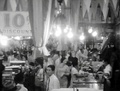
x=73 y=53
x=52 y=53
x=15 y=54
x=31 y=65
x=106 y=62
x=63 y=53
x=5 y=58
x=19 y=78
x=39 y=62
x=50 y=70
x=69 y=64
x=29 y=53
x=75 y=62
x=64 y=60
x=24 y=57
x=56 y=55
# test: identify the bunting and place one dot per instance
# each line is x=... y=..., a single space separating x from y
x=56 y=4
x=115 y=3
x=84 y=8
x=105 y=9
x=77 y=15
x=7 y=5
x=18 y=8
x=90 y=14
x=101 y=2
x=2 y=4
x=93 y=9
x=24 y=5
x=87 y=4
x=13 y=5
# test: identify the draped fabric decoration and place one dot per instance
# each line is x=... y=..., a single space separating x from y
x=66 y=2
x=56 y=4
x=101 y=2
x=35 y=8
x=77 y=13
x=115 y=3
x=24 y=5
x=105 y=9
x=2 y=4
x=87 y=4
x=13 y=4
x=18 y=8
x=90 y=14
x=84 y=8
x=93 y=9
x=47 y=26
x=7 y=6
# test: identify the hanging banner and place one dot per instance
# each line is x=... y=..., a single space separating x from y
x=87 y=4
x=15 y=24
x=115 y=3
x=105 y=9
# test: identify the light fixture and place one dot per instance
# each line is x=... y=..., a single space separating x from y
x=70 y=35
x=3 y=40
x=102 y=37
x=66 y=29
x=94 y=34
x=82 y=37
x=17 y=38
x=58 y=31
x=90 y=30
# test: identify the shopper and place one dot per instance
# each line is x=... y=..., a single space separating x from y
x=52 y=81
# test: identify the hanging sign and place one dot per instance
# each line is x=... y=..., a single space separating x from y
x=15 y=24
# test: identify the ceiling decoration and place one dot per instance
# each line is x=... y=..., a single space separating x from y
x=89 y=6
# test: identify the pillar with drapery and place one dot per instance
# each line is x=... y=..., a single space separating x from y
x=39 y=28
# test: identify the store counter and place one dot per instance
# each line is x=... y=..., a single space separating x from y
x=76 y=89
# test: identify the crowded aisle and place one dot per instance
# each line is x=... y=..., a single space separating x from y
x=62 y=68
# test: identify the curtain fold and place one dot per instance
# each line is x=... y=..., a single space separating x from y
x=35 y=8
x=47 y=26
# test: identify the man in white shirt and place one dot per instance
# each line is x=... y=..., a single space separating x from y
x=52 y=81
x=107 y=76
x=107 y=70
